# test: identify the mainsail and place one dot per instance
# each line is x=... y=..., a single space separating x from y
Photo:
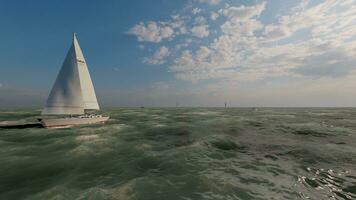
x=73 y=91
x=87 y=88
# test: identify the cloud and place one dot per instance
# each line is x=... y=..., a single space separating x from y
x=158 y=57
x=211 y=2
x=273 y=32
x=214 y=16
x=242 y=13
x=243 y=29
x=246 y=48
x=152 y=32
x=200 y=31
x=333 y=63
x=221 y=58
x=310 y=40
x=186 y=43
x=161 y=30
x=196 y=11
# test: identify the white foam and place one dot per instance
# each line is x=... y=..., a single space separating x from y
x=87 y=138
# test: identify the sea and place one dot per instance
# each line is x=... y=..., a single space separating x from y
x=182 y=154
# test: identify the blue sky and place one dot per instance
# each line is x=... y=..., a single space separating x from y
x=194 y=52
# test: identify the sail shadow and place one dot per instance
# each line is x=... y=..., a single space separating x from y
x=22 y=126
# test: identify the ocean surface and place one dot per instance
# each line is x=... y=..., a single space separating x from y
x=182 y=153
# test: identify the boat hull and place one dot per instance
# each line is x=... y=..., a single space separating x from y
x=68 y=122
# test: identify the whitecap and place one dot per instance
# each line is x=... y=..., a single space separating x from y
x=83 y=138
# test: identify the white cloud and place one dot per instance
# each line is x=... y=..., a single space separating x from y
x=200 y=31
x=242 y=53
x=196 y=11
x=186 y=43
x=152 y=32
x=246 y=28
x=222 y=57
x=200 y=20
x=158 y=57
x=242 y=13
x=160 y=31
x=214 y=16
x=178 y=24
x=311 y=40
x=211 y=2
x=273 y=32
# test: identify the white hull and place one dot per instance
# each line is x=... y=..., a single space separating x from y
x=68 y=122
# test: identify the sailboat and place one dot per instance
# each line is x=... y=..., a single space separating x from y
x=72 y=94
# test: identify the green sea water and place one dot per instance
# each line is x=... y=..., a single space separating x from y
x=182 y=153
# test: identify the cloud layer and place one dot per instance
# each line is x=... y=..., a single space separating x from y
x=232 y=42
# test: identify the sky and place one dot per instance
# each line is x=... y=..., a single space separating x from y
x=250 y=53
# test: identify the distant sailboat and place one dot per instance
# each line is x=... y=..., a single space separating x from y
x=72 y=93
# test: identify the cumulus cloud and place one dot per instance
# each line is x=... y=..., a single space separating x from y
x=247 y=28
x=312 y=39
x=246 y=49
x=152 y=32
x=196 y=11
x=159 y=31
x=158 y=57
x=200 y=31
x=242 y=13
x=214 y=16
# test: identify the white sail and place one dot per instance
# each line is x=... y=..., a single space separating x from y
x=87 y=88
x=73 y=90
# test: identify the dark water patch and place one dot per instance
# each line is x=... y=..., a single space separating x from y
x=233 y=131
x=27 y=178
x=255 y=180
x=270 y=156
x=171 y=137
x=277 y=171
x=311 y=182
x=227 y=144
x=303 y=156
x=309 y=132
x=351 y=189
x=340 y=143
x=181 y=142
x=22 y=126
x=149 y=163
x=254 y=123
x=133 y=136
